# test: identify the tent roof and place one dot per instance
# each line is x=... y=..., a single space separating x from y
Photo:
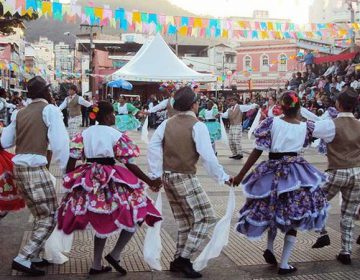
x=155 y=62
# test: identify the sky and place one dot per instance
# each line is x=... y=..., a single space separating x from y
x=295 y=10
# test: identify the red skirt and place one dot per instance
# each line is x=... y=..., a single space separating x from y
x=10 y=197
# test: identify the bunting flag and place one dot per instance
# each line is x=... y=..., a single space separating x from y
x=142 y=22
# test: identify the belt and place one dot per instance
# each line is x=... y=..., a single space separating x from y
x=212 y=120
x=103 y=161
x=121 y=114
x=275 y=156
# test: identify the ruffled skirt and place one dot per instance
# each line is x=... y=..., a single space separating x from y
x=214 y=130
x=127 y=122
x=108 y=198
x=10 y=197
x=284 y=194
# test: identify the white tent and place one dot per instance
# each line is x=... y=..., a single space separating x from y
x=155 y=62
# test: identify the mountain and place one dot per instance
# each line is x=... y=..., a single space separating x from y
x=54 y=30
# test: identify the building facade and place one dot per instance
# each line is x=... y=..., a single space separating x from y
x=64 y=59
x=44 y=52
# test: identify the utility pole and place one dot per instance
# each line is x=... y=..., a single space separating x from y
x=177 y=44
x=92 y=48
x=352 y=20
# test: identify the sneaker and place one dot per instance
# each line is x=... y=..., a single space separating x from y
x=185 y=266
x=344 y=258
x=322 y=241
x=32 y=271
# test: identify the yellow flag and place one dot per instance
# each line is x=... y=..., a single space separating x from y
x=98 y=12
x=183 y=30
x=136 y=17
x=198 y=22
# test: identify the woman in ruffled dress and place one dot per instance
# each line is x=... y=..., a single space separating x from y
x=126 y=115
x=105 y=196
x=210 y=117
x=283 y=192
x=10 y=197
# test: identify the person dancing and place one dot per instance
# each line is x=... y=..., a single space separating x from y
x=283 y=192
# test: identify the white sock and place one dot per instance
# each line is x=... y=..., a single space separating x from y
x=270 y=241
x=289 y=242
x=23 y=262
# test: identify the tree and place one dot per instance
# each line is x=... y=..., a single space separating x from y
x=8 y=21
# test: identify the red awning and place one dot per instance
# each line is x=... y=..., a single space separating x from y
x=333 y=58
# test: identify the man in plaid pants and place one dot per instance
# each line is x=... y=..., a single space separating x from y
x=342 y=136
x=32 y=130
x=235 y=116
x=173 y=153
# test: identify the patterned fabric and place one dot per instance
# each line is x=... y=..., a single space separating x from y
x=192 y=211
x=109 y=198
x=283 y=194
x=235 y=134
x=346 y=181
x=40 y=196
x=10 y=196
x=263 y=134
x=74 y=126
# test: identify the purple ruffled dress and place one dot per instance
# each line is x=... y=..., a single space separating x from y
x=282 y=194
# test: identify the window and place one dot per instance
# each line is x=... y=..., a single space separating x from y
x=282 y=65
x=247 y=62
x=264 y=63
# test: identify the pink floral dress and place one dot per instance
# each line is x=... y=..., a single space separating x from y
x=106 y=197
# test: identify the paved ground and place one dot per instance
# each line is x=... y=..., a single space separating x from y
x=241 y=259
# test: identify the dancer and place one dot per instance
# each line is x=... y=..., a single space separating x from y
x=342 y=136
x=234 y=114
x=167 y=104
x=126 y=115
x=210 y=117
x=33 y=129
x=106 y=196
x=73 y=103
x=284 y=192
x=173 y=153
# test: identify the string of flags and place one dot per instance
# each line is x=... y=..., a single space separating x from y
x=151 y=23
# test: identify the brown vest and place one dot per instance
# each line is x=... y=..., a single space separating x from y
x=74 y=107
x=344 y=151
x=235 y=116
x=180 y=155
x=170 y=110
x=31 y=131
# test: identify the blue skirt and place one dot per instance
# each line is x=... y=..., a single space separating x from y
x=127 y=122
x=214 y=130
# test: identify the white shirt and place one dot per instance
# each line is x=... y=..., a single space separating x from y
x=202 y=141
x=81 y=101
x=329 y=71
x=161 y=106
x=57 y=135
x=325 y=129
x=6 y=104
x=243 y=108
x=287 y=137
x=209 y=114
x=355 y=84
x=98 y=147
x=122 y=109
x=340 y=85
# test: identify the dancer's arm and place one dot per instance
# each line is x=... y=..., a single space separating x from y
x=254 y=156
x=154 y=184
x=71 y=165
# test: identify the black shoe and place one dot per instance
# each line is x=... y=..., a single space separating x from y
x=238 y=157
x=344 y=258
x=43 y=263
x=3 y=214
x=269 y=257
x=283 y=271
x=358 y=240
x=33 y=271
x=104 y=269
x=322 y=241
x=232 y=157
x=115 y=264
x=185 y=266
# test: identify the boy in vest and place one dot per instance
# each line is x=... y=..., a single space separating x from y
x=235 y=115
x=73 y=103
x=342 y=136
x=32 y=130
x=173 y=153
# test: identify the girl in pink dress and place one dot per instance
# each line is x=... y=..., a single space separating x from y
x=105 y=196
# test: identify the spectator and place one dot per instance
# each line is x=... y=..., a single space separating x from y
x=330 y=70
x=294 y=82
x=308 y=58
x=354 y=83
x=85 y=113
x=339 y=83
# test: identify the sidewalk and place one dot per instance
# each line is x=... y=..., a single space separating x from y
x=241 y=259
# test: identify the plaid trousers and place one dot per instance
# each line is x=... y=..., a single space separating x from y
x=235 y=134
x=192 y=211
x=39 y=193
x=347 y=181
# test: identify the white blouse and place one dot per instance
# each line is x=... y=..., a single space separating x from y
x=287 y=137
x=209 y=115
x=99 y=141
x=123 y=109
